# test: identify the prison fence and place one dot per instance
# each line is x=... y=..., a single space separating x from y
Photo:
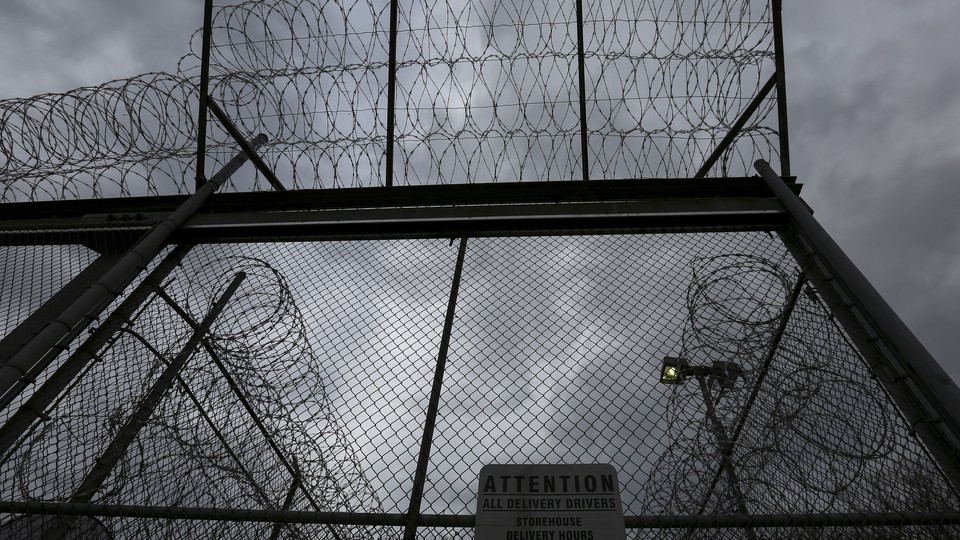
x=341 y=363
x=301 y=411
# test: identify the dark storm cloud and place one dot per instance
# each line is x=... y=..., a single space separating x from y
x=874 y=109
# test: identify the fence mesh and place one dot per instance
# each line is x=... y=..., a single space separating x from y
x=310 y=391
x=486 y=91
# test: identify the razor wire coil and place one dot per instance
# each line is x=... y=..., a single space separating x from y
x=484 y=93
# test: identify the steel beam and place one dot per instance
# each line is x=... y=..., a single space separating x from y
x=423 y=461
x=782 y=128
x=419 y=211
x=247 y=148
x=582 y=78
x=204 y=88
x=391 y=94
x=737 y=126
x=127 y=211
x=26 y=330
x=36 y=407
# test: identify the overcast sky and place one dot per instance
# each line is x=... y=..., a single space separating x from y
x=873 y=89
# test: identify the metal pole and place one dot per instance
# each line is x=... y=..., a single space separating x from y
x=34 y=407
x=52 y=307
x=292 y=468
x=781 y=87
x=204 y=89
x=104 y=465
x=581 y=68
x=391 y=93
x=279 y=525
x=244 y=472
x=720 y=434
x=43 y=348
x=416 y=496
x=737 y=126
x=920 y=387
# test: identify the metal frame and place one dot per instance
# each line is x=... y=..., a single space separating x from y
x=866 y=519
x=413 y=211
x=918 y=385
x=769 y=202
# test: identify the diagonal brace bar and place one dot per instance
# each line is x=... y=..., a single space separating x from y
x=118 y=446
x=292 y=468
x=416 y=497
x=737 y=126
x=248 y=149
x=727 y=450
x=925 y=393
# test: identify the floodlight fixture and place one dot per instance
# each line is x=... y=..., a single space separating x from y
x=674 y=370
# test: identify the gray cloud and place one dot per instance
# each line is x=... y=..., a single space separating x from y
x=873 y=104
x=60 y=45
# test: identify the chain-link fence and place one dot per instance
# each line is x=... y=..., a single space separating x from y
x=354 y=386
x=311 y=390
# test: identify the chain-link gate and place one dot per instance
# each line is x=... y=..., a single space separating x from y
x=311 y=390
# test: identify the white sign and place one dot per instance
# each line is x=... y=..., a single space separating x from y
x=549 y=502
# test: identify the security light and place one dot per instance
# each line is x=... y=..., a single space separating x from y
x=673 y=370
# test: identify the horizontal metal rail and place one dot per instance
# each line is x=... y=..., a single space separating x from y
x=501 y=209
x=126 y=210
x=861 y=519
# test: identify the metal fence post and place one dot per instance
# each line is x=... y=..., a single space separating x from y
x=581 y=63
x=391 y=94
x=416 y=497
x=782 y=128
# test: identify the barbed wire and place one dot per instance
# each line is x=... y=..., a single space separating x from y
x=820 y=427
x=248 y=421
x=485 y=92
